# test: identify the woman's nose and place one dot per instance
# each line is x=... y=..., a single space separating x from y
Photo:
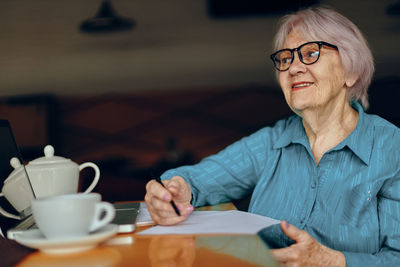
x=296 y=66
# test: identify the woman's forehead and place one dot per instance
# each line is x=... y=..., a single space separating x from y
x=304 y=34
x=296 y=38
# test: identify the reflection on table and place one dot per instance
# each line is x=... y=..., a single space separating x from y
x=165 y=250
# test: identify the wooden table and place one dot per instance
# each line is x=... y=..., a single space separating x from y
x=165 y=250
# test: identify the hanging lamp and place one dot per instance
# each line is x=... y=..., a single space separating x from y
x=106 y=20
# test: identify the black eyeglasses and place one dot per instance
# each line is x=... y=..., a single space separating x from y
x=308 y=54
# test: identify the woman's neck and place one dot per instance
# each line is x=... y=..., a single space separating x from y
x=327 y=127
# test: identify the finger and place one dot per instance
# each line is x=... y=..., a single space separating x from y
x=154 y=189
x=161 y=206
x=158 y=206
x=154 y=216
x=287 y=254
x=166 y=263
x=168 y=216
x=175 y=185
x=165 y=218
x=179 y=189
x=185 y=209
x=162 y=211
x=172 y=184
x=171 y=220
x=293 y=232
x=167 y=210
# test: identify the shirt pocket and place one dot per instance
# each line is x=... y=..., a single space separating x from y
x=358 y=206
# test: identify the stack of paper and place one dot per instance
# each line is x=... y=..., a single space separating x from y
x=216 y=222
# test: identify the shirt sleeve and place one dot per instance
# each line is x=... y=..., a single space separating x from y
x=231 y=174
x=389 y=222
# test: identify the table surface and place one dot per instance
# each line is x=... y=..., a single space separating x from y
x=165 y=250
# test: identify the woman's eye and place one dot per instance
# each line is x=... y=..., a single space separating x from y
x=312 y=54
x=285 y=60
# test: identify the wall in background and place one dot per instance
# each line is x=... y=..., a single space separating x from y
x=125 y=134
x=175 y=45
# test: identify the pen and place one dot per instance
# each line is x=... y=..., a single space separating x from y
x=158 y=179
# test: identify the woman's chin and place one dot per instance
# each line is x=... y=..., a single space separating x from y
x=300 y=105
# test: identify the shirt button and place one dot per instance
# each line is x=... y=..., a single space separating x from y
x=313 y=185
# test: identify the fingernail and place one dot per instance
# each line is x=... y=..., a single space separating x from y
x=287 y=224
x=189 y=208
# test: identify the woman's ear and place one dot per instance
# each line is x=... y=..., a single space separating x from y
x=351 y=80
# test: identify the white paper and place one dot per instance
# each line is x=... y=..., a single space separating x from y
x=215 y=222
x=144 y=217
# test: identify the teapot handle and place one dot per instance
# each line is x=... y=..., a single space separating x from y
x=6 y=213
x=96 y=175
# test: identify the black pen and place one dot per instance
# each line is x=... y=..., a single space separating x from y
x=158 y=179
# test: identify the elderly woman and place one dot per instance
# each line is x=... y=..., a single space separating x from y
x=331 y=170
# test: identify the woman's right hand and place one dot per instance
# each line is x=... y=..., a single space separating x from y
x=158 y=200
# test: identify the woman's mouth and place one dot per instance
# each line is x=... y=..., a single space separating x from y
x=301 y=85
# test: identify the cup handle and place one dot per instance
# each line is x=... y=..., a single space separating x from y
x=96 y=175
x=6 y=213
x=104 y=210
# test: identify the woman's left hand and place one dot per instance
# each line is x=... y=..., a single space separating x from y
x=306 y=251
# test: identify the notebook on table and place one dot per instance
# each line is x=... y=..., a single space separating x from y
x=126 y=213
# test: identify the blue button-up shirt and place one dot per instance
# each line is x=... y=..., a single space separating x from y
x=350 y=201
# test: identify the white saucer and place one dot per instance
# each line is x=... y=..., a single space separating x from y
x=35 y=239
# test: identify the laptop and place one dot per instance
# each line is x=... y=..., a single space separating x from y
x=126 y=213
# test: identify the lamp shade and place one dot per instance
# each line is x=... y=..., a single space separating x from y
x=106 y=20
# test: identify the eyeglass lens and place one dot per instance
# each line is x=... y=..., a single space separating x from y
x=308 y=54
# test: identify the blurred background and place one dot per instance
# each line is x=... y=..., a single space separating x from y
x=138 y=84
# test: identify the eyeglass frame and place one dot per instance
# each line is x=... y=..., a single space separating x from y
x=297 y=49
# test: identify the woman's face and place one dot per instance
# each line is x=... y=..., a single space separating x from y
x=316 y=86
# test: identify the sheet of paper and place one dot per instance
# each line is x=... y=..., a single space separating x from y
x=215 y=222
x=144 y=217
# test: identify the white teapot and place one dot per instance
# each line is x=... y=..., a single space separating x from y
x=49 y=175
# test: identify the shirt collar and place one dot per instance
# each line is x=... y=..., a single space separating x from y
x=293 y=133
x=359 y=141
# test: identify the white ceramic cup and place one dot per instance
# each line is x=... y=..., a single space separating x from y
x=71 y=216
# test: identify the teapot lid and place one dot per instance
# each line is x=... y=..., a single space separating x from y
x=49 y=157
x=16 y=164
